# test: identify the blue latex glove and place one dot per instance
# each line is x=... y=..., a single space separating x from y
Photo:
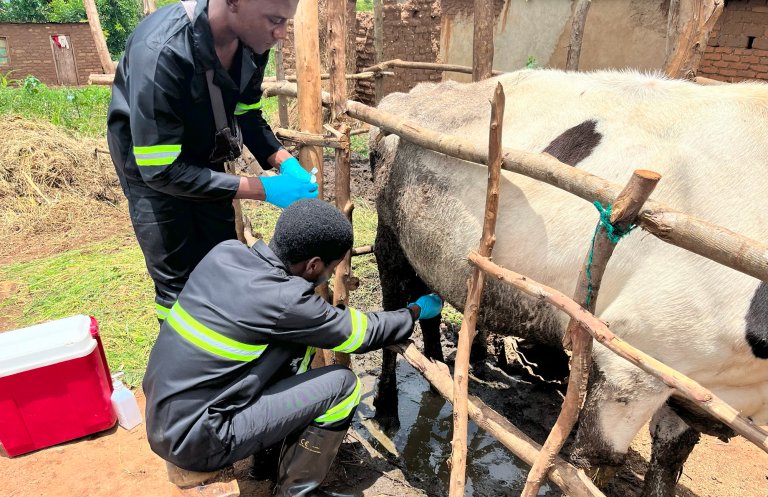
x=282 y=191
x=291 y=167
x=430 y=305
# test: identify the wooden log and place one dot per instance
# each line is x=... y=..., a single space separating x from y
x=685 y=386
x=474 y=292
x=345 y=205
x=101 y=79
x=312 y=139
x=98 y=36
x=689 y=25
x=337 y=24
x=623 y=214
x=571 y=481
x=364 y=250
x=482 y=40
x=674 y=227
x=378 y=47
x=306 y=38
x=383 y=66
x=577 y=34
x=282 y=102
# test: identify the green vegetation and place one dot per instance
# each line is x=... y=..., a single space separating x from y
x=364 y=5
x=81 y=109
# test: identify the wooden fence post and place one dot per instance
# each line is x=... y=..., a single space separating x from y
x=482 y=40
x=378 y=47
x=282 y=102
x=689 y=25
x=98 y=36
x=623 y=214
x=474 y=292
x=577 y=34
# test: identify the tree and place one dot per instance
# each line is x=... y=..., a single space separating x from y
x=118 y=20
x=24 y=11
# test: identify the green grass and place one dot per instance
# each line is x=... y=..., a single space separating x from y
x=364 y=5
x=79 y=109
x=107 y=280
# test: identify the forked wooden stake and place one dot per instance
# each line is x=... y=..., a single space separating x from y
x=475 y=290
x=623 y=215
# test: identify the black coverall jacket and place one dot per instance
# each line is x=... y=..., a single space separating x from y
x=161 y=135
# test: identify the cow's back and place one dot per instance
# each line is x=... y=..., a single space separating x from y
x=708 y=144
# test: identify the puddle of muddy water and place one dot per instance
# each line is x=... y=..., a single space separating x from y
x=421 y=446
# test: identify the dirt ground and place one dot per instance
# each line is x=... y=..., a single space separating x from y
x=119 y=463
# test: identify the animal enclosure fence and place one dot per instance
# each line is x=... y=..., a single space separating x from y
x=674 y=227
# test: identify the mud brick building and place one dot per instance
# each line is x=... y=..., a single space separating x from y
x=56 y=54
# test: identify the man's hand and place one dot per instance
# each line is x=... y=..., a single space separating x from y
x=426 y=306
x=291 y=167
x=283 y=190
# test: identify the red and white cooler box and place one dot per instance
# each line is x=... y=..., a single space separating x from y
x=55 y=384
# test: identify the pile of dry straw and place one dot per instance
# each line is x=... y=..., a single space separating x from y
x=53 y=183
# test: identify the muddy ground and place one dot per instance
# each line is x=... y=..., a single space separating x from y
x=409 y=461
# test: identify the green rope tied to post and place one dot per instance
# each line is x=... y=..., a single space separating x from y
x=613 y=233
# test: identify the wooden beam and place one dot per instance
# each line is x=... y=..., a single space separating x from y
x=669 y=225
x=689 y=26
x=685 y=386
x=282 y=102
x=573 y=482
x=306 y=41
x=310 y=139
x=623 y=214
x=378 y=47
x=577 y=34
x=474 y=292
x=382 y=66
x=98 y=36
x=482 y=40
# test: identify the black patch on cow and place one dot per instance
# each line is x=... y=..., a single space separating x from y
x=575 y=144
x=757 y=322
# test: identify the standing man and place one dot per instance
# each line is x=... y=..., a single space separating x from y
x=167 y=146
x=247 y=325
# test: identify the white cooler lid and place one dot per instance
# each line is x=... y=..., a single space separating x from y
x=45 y=344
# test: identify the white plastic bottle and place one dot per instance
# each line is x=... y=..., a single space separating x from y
x=124 y=404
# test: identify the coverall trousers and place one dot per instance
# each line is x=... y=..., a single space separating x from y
x=175 y=234
x=284 y=408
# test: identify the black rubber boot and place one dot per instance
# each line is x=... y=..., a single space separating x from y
x=265 y=464
x=305 y=462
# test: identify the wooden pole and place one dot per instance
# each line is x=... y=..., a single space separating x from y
x=476 y=283
x=337 y=25
x=308 y=138
x=433 y=66
x=669 y=225
x=98 y=36
x=306 y=38
x=282 y=102
x=577 y=34
x=573 y=482
x=623 y=214
x=685 y=386
x=689 y=25
x=378 y=47
x=482 y=40
x=229 y=167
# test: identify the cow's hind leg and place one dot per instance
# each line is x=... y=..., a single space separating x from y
x=612 y=415
x=399 y=285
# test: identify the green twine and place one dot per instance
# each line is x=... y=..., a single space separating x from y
x=613 y=233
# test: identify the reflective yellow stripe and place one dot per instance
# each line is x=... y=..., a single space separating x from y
x=357 y=333
x=156 y=155
x=162 y=311
x=209 y=340
x=343 y=409
x=307 y=359
x=241 y=108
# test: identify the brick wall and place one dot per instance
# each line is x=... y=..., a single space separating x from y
x=366 y=57
x=738 y=47
x=29 y=48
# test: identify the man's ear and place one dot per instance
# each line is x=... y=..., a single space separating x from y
x=314 y=267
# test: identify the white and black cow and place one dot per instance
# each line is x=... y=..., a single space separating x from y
x=711 y=323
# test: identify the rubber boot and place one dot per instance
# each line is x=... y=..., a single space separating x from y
x=265 y=463
x=305 y=462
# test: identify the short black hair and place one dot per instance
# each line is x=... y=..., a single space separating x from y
x=311 y=228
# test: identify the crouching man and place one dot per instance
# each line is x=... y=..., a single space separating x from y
x=229 y=374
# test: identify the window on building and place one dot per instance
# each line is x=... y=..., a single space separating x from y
x=3 y=51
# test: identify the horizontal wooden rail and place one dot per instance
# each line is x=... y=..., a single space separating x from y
x=404 y=64
x=572 y=481
x=598 y=329
x=676 y=228
x=312 y=139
